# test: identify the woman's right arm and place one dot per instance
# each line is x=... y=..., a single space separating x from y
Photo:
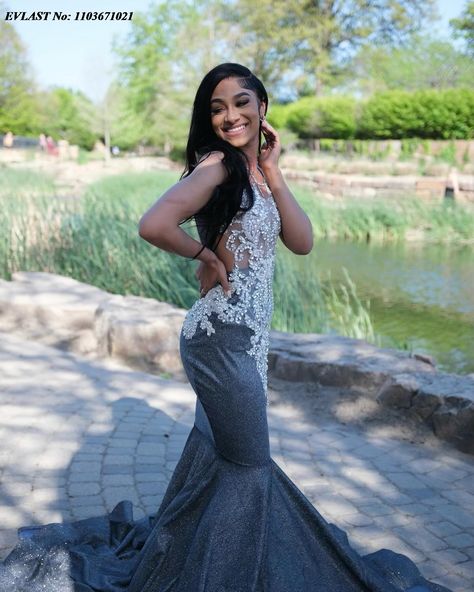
x=159 y=225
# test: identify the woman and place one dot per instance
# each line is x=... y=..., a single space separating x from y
x=230 y=520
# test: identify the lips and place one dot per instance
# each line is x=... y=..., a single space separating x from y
x=236 y=130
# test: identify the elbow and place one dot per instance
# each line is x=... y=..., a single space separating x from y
x=302 y=246
x=143 y=230
x=304 y=250
x=305 y=247
x=148 y=232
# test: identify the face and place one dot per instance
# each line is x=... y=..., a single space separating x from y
x=235 y=114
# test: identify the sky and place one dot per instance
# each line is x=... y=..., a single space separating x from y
x=78 y=54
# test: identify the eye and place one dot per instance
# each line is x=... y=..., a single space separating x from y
x=215 y=111
x=242 y=103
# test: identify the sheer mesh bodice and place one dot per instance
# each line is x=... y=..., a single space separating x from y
x=251 y=237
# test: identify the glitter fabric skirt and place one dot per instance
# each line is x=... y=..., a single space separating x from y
x=230 y=521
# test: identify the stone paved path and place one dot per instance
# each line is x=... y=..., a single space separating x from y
x=77 y=436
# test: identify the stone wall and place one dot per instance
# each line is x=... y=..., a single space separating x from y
x=145 y=333
x=385 y=186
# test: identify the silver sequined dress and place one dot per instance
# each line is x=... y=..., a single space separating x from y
x=251 y=237
x=230 y=520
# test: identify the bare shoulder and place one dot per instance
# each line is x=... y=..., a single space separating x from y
x=210 y=158
x=210 y=166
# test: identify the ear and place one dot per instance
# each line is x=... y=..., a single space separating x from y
x=262 y=109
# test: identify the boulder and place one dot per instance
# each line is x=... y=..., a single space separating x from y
x=443 y=401
x=49 y=301
x=333 y=360
x=142 y=331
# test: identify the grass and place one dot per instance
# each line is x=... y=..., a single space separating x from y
x=387 y=220
x=24 y=183
x=95 y=241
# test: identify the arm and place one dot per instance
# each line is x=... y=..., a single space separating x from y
x=159 y=225
x=296 y=229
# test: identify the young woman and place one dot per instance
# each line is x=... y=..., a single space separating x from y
x=230 y=520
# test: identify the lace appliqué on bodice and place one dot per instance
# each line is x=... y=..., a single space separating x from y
x=251 y=237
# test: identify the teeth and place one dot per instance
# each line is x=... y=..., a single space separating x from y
x=234 y=129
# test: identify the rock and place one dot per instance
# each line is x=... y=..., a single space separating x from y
x=49 y=302
x=425 y=358
x=141 y=330
x=443 y=401
x=333 y=360
x=398 y=393
x=66 y=313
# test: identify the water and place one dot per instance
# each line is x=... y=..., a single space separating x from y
x=421 y=295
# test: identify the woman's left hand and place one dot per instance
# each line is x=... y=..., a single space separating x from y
x=271 y=149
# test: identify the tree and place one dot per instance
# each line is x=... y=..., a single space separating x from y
x=148 y=77
x=463 y=26
x=316 y=37
x=69 y=115
x=443 y=66
x=17 y=91
x=124 y=125
x=162 y=60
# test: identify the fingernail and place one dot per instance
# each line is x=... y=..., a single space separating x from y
x=228 y=293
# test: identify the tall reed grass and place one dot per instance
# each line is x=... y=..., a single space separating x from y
x=95 y=240
x=377 y=219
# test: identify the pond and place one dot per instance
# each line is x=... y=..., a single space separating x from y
x=421 y=294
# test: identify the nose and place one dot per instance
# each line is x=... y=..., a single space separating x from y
x=232 y=114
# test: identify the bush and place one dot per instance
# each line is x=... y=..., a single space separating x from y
x=325 y=117
x=278 y=115
x=446 y=114
x=178 y=154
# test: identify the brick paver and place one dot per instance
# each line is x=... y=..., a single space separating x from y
x=77 y=436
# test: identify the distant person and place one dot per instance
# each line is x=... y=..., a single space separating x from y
x=8 y=140
x=51 y=147
x=43 y=143
x=115 y=150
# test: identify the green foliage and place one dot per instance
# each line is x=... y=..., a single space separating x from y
x=409 y=146
x=424 y=114
x=94 y=241
x=463 y=26
x=156 y=79
x=69 y=115
x=324 y=117
x=388 y=220
x=278 y=115
x=17 y=91
x=379 y=68
x=448 y=154
x=277 y=38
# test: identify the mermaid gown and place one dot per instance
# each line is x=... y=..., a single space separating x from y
x=230 y=520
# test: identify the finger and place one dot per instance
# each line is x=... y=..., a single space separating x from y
x=225 y=284
x=270 y=133
x=265 y=124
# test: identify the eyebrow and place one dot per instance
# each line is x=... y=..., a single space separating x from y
x=235 y=97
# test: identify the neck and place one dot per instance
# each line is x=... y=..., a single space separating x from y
x=253 y=164
x=251 y=152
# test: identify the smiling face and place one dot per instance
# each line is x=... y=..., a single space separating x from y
x=235 y=114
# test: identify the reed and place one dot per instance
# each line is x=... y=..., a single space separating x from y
x=95 y=240
x=388 y=220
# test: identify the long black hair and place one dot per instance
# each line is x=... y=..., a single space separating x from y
x=226 y=200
